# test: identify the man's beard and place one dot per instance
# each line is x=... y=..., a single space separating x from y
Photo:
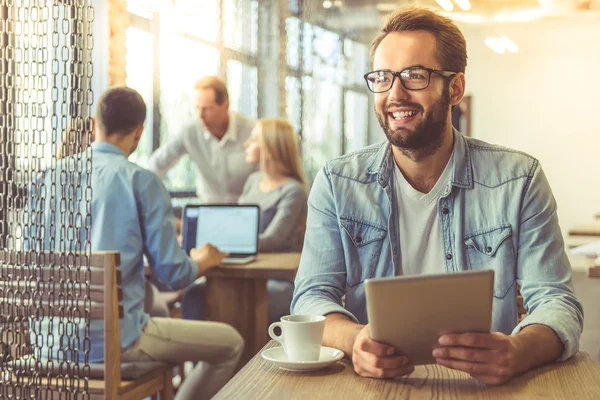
x=427 y=136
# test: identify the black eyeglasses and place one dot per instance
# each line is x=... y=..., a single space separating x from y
x=412 y=78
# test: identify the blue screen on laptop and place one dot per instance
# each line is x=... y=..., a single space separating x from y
x=231 y=228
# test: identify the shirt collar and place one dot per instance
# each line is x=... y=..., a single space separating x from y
x=230 y=133
x=462 y=170
x=109 y=148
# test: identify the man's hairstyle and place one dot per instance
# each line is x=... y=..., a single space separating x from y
x=120 y=111
x=215 y=83
x=451 y=46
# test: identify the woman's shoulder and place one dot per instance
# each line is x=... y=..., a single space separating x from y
x=294 y=186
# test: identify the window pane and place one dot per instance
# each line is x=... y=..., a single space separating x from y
x=356 y=124
x=357 y=56
x=242 y=86
x=197 y=17
x=140 y=69
x=292 y=27
x=177 y=95
x=292 y=105
x=308 y=44
x=240 y=25
x=144 y=8
x=322 y=129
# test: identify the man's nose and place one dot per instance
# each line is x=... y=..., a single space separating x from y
x=398 y=92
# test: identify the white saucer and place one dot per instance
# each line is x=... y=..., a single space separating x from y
x=277 y=356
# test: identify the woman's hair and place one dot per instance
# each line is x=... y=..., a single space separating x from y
x=278 y=139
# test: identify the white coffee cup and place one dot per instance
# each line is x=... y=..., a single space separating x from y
x=301 y=336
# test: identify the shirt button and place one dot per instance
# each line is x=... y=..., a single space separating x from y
x=448 y=256
x=445 y=210
x=488 y=249
x=358 y=239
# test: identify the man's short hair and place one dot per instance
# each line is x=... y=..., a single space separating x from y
x=451 y=46
x=120 y=111
x=215 y=83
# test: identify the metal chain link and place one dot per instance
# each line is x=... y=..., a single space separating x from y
x=45 y=113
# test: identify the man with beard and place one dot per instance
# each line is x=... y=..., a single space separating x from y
x=429 y=200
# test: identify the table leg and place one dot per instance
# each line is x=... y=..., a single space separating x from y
x=242 y=303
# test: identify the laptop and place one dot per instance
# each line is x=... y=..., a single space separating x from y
x=232 y=228
x=411 y=312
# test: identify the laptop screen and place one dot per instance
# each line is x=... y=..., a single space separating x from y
x=230 y=228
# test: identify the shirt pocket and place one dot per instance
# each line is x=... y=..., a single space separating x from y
x=363 y=242
x=493 y=249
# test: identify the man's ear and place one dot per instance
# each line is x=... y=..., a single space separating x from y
x=138 y=133
x=457 y=88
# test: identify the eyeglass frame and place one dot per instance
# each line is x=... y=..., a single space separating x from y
x=396 y=74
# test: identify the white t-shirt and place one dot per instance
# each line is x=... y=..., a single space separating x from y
x=421 y=250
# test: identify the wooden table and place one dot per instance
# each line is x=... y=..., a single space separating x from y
x=237 y=294
x=577 y=378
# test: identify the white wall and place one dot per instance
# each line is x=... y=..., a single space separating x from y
x=544 y=100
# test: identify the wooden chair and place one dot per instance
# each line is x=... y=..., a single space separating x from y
x=109 y=380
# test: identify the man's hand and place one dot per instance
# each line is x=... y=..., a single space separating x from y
x=206 y=257
x=376 y=360
x=491 y=358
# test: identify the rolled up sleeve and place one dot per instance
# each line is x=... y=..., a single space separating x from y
x=167 y=259
x=544 y=271
x=321 y=279
x=167 y=155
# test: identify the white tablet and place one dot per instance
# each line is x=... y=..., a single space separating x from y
x=410 y=313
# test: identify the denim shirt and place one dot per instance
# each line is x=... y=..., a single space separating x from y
x=498 y=213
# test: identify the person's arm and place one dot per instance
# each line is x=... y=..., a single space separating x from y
x=167 y=155
x=551 y=330
x=544 y=272
x=290 y=211
x=321 y=283
x=341 y=332
x=369 y=358
x=167 y=259
x=321 y=277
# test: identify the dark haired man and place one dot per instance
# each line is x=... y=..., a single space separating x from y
x=430 y=200
x=131 y=213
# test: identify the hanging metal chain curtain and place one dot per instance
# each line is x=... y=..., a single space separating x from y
x=45 y=209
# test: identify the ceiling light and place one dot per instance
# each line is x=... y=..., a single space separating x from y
x=494 y=44
x=464 y=4
x=446 y=5
x=327 y=4
x=508 y=44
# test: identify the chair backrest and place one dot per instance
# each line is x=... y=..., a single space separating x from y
x=35 y=285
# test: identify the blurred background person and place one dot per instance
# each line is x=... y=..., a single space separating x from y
x=215 y=142
x=279 y=188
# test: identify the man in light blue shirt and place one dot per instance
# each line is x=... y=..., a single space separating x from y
x=369 y=216
x=132 y=214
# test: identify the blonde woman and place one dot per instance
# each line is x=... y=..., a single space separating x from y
x=279 y=188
